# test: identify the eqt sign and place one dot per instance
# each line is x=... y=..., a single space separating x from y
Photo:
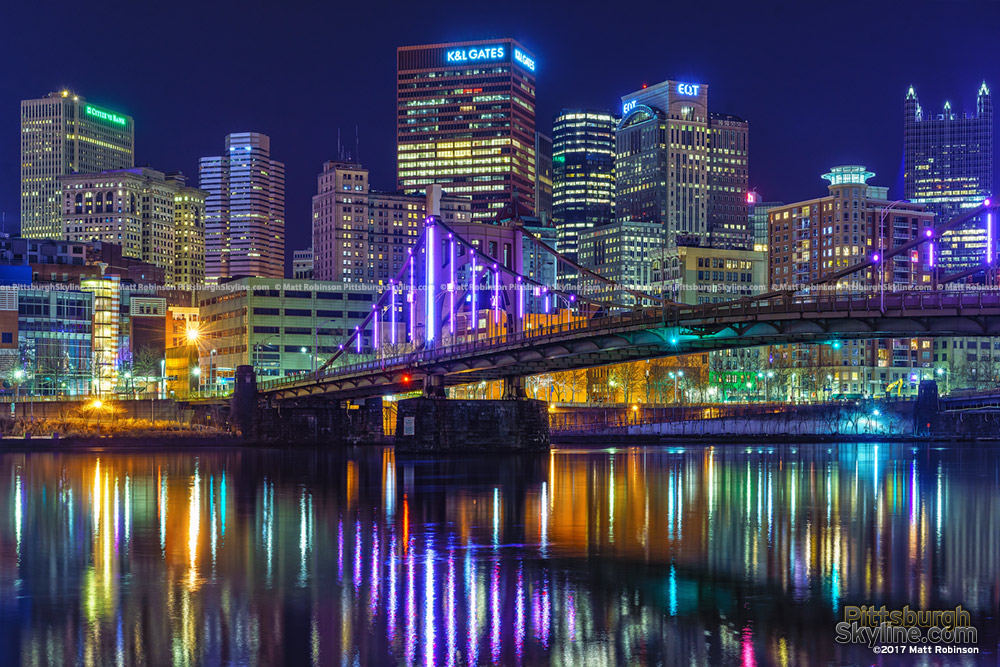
x=688 y=88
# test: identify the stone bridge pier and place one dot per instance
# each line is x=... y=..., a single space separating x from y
x=309 y=420
x=433 y=423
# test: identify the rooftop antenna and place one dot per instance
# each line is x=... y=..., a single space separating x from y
x=357 y=145
x=340 y=151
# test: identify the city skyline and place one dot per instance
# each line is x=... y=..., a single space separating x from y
x=798 y=130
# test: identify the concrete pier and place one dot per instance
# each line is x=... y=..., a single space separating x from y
x=429 y=425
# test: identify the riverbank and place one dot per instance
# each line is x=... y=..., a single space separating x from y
x=714 y=439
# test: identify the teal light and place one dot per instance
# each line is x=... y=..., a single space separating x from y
x=103 y=114
x=848 y=173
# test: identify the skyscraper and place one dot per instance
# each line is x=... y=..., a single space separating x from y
x=152 y=216
x=465 y=119
x=244 y=210
x=728 y=182
x=61 y=134
x=583 y=174
x=662 y=159
x=683 y=167
x=361 y=235
x=948 y=162
x=189 y=232
x=543 y=177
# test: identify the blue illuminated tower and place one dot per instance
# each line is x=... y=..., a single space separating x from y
x=948 y=161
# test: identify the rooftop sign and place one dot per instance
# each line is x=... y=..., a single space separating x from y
x=103 y=114
x=475 y=53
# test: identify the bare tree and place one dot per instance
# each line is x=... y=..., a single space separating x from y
x=627 y=379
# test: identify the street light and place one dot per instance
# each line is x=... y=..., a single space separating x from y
x=315 y=356
x=766 y=376
x=18 y=376
x=211 y=369
x=256 y=350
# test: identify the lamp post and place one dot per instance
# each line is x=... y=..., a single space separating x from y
x=18 y=376
x=211 y=371
x=765 y=376
x=315 y=367
x=676 y=377
x=256 y=350
x=193 y=335
x=941 y=373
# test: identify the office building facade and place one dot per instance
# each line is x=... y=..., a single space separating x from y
x=758 y=216
x=361 y=235
x=681 y=166
x=244 y=209
x=277 y=330
x=948 y=167
x=62 y=134
x=302 y=264
x=728 y=182
x=54 y=341
x=583 y=174
x=189 y=234
x=699 y=274
x=662 y=159
x=543 y=177
x=466 y=120
x=143 y=211
x=621 y=252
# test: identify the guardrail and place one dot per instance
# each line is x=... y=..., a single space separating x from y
x=741 y=310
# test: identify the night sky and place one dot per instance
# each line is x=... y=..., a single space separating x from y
x=821 y=83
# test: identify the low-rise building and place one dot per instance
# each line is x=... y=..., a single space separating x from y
x=696 y=274
x=278 y=331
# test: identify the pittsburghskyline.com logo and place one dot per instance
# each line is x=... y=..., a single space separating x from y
x=906 y=630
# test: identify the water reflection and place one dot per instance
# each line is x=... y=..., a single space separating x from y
x=702 y=556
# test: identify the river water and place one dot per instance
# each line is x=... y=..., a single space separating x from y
x=723 y=555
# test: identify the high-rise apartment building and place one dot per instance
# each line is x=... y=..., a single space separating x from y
x=63 y=134
x=152 y=216
x=680 y=166
x=244 y=209
x=583 y=174
x=465 y=119
x=362 y=235
x=854 y=222
x=948 y=162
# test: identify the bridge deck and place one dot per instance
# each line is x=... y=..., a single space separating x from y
x=659 y=332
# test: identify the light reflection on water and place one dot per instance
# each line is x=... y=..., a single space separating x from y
x=700 y=555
